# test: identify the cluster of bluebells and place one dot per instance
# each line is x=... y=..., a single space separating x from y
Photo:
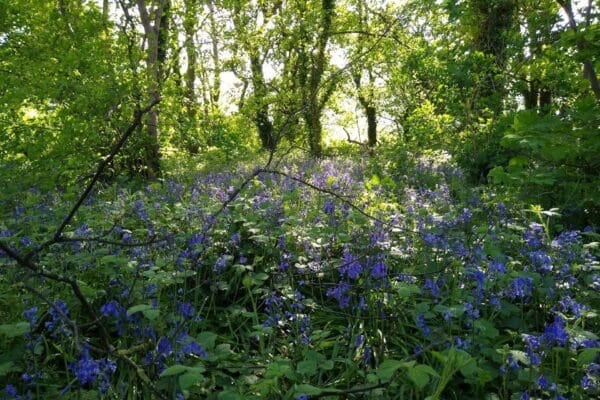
x=444 y=262
x=90 y=371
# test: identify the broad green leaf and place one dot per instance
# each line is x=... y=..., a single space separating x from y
x=207 y=339
x=307 y=389
x=419 y=376
x=486 y=328
x=388 y=367
x=586 y=356
x=7 y=367
x=307 y=367
x=174 y=370
x=14 y=330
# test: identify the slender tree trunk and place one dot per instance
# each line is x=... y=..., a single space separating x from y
x=105 y=10
x=215 y=92
x=189 y=25
x=371 y=126
x=588 y=66
x=155 y=53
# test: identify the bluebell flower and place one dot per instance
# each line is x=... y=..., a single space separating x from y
x=379 y=269
x=542 y=382
x=589 y=383
x=461 y=344
x=513 y=363
x=497 y=267
x=329 y=207
x=421 y=323
x=112 y=309
x=434 y=287
x=220 y=264
x=465 y=216
x=541 y=260
x=164 y=347
x=235 y=238
x=186 y=309
x=340 y=294
x=520 y=287
x=191 y=347
x=471 y=311
x=367 y=354
x=302 y=397
x=31 y=315
x=283 y=264
x=567 y=304
x=555 y=332
x=10 y=391
x=351 y=266
x=501 y=209
x=196 y=239
x=58 y=315
x=87 y=369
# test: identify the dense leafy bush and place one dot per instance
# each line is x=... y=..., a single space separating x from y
x=555 y=160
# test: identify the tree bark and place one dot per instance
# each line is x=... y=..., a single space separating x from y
x=588 y=66
x=189 y=26
x=215 y=92
x=314 y=104
x=261 y=113
x=151 y=21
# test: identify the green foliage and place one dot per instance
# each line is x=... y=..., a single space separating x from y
x=555 y=160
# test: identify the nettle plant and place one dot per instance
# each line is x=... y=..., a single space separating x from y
x=314 y=279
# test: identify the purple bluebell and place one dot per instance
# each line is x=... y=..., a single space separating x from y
x=186 y=310
x=555 y=332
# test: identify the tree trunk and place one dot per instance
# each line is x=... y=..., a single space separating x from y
x=588 y=67
x=314 y=103
x=371 y=126
x=215 y=92
x=155 y=54
x=315 y=130
x=261 y=113
x=189 y=25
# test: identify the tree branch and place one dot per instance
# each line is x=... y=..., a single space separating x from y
x=99 y=170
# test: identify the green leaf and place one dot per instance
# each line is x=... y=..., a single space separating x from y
x=327 y=365
x=307 y=367
x=174 y=370
x=207 y=339
x=138 y=308
x=486 y=328
x=307 y=389
x=388 y=367
x=7 y=367
x=419 y=375
x=407 y=289
x=228 y=395
x=14 y=330
x=146 y=309
x=587 y=356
